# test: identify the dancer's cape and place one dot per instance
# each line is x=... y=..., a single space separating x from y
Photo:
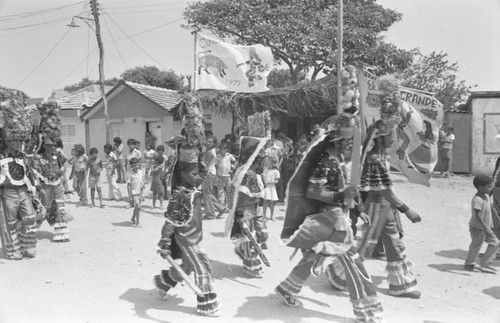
x=298 y=206
x=250 y=148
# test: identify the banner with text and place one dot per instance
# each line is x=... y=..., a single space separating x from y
x=223 y=66
x=415 y=150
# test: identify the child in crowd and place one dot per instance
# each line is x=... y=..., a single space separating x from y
x=480 y=226
x=120 y=156
x=79 y=173
x=95 y=167
x=114 y=192
x=160 y=151
x=149 y=154
x=156 y=181
x=135 y=187
x=224 y=164
x=63 y=159
x=271 y=177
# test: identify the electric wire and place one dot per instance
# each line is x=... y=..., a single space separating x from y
x=133 y=41
x=38 y=12
x=43 y=60
x=150 y=29
x=116 y=46
x=77 y=66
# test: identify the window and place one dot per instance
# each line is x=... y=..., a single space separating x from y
x=68 y=133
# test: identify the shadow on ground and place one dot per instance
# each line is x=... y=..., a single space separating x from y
x=453 y=254
x=457 y=269
x=258 y=308
x=145 y=300
x=493 y=292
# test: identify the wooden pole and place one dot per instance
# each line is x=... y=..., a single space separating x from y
x=340 y=35
x=195 y=60
x=95 y=13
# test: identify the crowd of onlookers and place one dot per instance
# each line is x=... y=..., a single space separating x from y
x=125 y=163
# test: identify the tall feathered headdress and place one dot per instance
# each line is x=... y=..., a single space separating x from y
x=50 y=120
x=18 y=121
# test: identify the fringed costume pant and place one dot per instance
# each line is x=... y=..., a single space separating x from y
x=20 y=219
x=193 y=259
x=400 y=274
x=363 y=296
x=52 y=198
x=250 y=257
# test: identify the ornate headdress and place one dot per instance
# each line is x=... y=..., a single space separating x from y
x=18 y=121
x=390 y=100
x=180 y=208
x=50 y=121
x=259 y=132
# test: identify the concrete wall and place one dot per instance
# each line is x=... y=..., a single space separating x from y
x=485 y=134
x=221 y=125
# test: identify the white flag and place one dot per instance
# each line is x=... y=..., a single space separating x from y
x=223 y=66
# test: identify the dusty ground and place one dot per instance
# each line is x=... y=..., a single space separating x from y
x=105 y=273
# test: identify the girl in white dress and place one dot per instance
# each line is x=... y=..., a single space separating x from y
x=271 y=178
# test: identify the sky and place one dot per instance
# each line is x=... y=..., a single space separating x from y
x=39 y=52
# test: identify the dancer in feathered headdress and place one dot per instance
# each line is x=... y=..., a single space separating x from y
x=381 y=203
x=317 y=220
x=182 y=231
x=18 y=216
x=48 y=167
x=245 y=222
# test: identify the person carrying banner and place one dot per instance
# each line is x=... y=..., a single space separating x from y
x=317 y=221
x=16 y=185
x=48 y=170
x=182 y=231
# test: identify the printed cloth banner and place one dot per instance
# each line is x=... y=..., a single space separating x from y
x=223 y=66
x=415 y=150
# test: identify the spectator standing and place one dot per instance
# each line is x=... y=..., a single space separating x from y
x=224 y=165
x=446 y=151
x=114 y=192
x=95 y=167
x=120 y=157
x=79 y=173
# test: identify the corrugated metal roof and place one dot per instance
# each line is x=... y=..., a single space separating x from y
x=166 y=98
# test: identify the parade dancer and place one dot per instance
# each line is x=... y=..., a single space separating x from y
x=16 y=186
x=48 y=170
x=246 y=220
x=318 y=223
x=182 y=231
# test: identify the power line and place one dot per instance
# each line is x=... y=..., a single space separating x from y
x=116 y=46
x=43 y=60
x=77 y=66
x=151 y=29
x=38 y=12
x=137 y=45
x=36 y=24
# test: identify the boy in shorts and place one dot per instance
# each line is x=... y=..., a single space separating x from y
x=135 y=185
x=94 y=166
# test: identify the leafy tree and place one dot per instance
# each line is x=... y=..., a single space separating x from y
x=84 y=82
x=435 y=73
x=7 y=93
x=302 y=33
x=151 y=75
x=279 y=78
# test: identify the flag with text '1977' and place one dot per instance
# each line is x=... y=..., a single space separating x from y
x=415 y=150
x=237 y=68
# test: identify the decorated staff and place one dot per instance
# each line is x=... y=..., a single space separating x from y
x=18 y=215
x=317 y=222
x=48 y=168
x=244 y=219
x=182 y=231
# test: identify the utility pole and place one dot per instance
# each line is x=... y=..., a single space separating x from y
x=95 y=12
x=340 y=34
